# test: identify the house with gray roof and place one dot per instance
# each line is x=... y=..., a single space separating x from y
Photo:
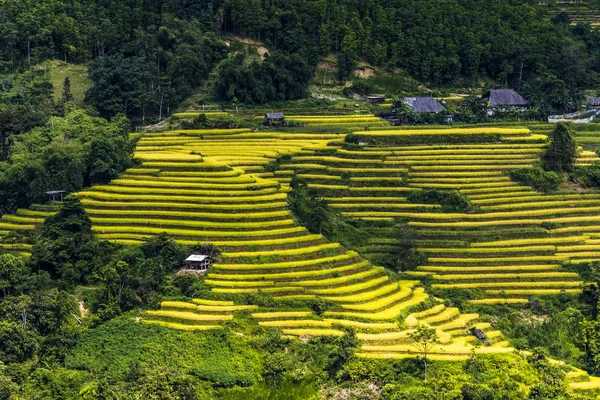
x=424 y=104
x=504 y=100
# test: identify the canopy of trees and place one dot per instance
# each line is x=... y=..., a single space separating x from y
x=150 y=54
x=68 y=153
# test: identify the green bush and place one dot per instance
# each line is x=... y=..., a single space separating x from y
x=588 y=176
x=536 y=177
x=450 y=200
x=562 y=152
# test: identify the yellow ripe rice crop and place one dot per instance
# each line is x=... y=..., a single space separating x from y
x=382 y=205
x=259 y=242
x=362 y=325
x=534 y=291
x=364 y=296
x=191 y=223
x=247 y=284
x=190 y=179
x=297 y=251
x=392 y=312
x=333 y=159
x=531 y=241
x=465 y=268
x=386 y=336
x=130 y=183
x=327 y=187
x=446 y=315
x=189 y=316
x=447 y=131
x=382 y=302
x=130 y=215
x=525 y=275
x=182 y=327
x=472 y=224
x=225 y=309
x=378 y=170
x=21 y=219
x=586 y=254
x=320 y=177
x=313 y=332
x=346 y=278
x=376 y=179
x=468 y=167
x=572 y=202
x=476 y=260
x=281 y=314
x=15 y=227
x=134 y=191
x=162 y=156
x=144 y=230
x=212 y=302
x=284 y=275
x=460 y=322
x=485 y=250
x=508 y=285
x=136 y=205
x=586 y=248
x=351 y=288
x=499 y=301
x=288 y=264
x=294 y=323
x=178 y=304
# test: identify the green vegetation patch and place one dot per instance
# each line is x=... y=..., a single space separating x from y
x=114 y=347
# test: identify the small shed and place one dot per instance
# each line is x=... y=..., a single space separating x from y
x=478 y=333
x=424 y=104
x=506 y=98
x=274 y=116
x=199 y=262
x=593 y=102
x=376 y=99
x=56 y=195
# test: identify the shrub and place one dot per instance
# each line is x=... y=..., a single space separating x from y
x=450 y=200
x=540 y=180
x=561 y=154
x=588 y=176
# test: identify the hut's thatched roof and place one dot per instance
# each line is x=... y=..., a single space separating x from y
x=506 y=97
x=424 y=104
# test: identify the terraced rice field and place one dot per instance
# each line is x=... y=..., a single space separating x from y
x=504 y=247
x=211 y=186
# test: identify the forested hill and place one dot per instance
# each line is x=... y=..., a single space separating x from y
x=146 y=56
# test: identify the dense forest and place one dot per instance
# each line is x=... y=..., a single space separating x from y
x=146 y=56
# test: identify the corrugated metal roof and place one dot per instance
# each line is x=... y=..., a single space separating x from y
x=197 y=257
x=274 y=115
x=424 y=104
x=595 y=101
x=52 y=192
x=506 y=97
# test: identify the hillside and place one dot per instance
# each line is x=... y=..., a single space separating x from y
x=218 y=186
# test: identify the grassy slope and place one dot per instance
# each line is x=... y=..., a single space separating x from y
x=77 y=73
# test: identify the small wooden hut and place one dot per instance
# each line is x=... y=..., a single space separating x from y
x=198 y=262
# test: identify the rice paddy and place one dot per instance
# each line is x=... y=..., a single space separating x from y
x=512 y=245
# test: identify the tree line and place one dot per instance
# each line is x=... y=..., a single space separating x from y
x=147 y=56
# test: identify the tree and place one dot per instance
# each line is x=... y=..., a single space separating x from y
x=424 y=339
x=403 y=111
x=118 y=85
x=562 y=152
x=67 y=96
x=13 y=275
